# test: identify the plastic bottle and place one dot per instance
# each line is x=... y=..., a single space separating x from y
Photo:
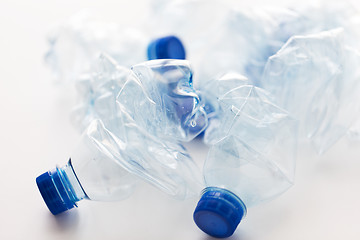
x=77 y=43
x=157 y=95
x=162 y=100
x=251 y=158
x=134 y=117
x=238 y=38
x=259 y=42
x=106 y=165
x=315 y=77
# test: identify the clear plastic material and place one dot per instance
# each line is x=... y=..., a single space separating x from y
x=242 y=38
x=101 y=178
x=160 y=97
x=156 y=95
x=136 y=114
x=251 y=157
x=253 y=143
x=246 y=40
x=106 y=163
x=316 y=78
x=97 y=90
x=79 y=41
x=209 y=95
x=131 y=118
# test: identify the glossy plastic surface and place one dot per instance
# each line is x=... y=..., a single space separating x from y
x=253 y=142
x=169 y=47
x=160 y=98
x=218 y=212
x=315 y=77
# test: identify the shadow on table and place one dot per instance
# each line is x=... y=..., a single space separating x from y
x=235 y=236
x=66 y=221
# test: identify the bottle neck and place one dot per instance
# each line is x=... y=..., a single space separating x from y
x=71 y=183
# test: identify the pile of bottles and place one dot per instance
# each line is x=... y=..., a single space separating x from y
x=264 y=80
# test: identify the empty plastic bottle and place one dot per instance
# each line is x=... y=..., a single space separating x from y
x=76 y=43
x=252 y=155
x=134 y=118
x=107 y=164
x=162 y=100
x=315 y=77
x=234 y=38
x=264 y=44
x=158 y=95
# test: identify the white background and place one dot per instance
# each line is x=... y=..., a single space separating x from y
x=36 y=134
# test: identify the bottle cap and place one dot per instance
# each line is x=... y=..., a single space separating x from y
x=169 y=47
x=219 y=212
x=53 y=192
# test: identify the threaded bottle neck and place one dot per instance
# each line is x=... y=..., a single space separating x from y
x=60 y=189
x=71 y=182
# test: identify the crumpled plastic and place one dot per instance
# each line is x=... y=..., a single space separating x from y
x=253 y=142
x=158 y=95
x=250 y=41
x=317 y=79
x=124 y=111
x=76 y=44
x=242 y=40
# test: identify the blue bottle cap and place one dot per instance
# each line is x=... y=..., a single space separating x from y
x=54 y=193
x=219 y=212
x=169 y=47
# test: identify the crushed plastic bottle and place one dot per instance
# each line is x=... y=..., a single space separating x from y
x=97 y=90
x=241 y=39
x=158 y=95
x=209 y=95
x=252 y=140
x=162 y=100
x=251 y=158
x=78 y=42
x=75 y=44
x=106 y=163
x=247 y=41
x=315 y=77
x=134 y=116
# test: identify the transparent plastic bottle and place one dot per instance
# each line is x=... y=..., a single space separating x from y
x=133 y=116
x=160 y=97
x=106 y=165
x=251 y=158
x=315 y=78
x=157 y=95
x=76 y=43
x=240 y=38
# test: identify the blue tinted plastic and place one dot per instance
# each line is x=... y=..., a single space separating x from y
x=159 y=96
x=54 y=188
x=219 y=212
x=252 y=152
x=169 y=47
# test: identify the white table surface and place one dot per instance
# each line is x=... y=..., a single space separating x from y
x=36 y=134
